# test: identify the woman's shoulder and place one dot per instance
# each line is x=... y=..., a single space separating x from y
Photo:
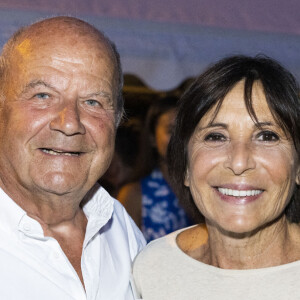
x=161 y=268
x=158 y=248
x=161 y=250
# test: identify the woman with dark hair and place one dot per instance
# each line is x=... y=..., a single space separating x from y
x=235 y=153
x=151 y=201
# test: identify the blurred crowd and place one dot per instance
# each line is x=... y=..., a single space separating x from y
x=138 y=174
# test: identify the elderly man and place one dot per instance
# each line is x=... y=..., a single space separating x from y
x=61 y=236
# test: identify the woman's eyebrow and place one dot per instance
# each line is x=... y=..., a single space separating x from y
x=213 y=125
x=262 y=124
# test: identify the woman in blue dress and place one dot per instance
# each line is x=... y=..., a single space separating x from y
x=150 y=201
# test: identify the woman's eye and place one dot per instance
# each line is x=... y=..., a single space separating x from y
x=91 y=102
x=268 y=136
x=215 y=137
x=42 y=96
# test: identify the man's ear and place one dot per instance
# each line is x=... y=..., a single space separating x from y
x=187 y=178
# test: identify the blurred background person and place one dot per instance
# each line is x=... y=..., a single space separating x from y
x=150 y=201
x=235 y=153
x=122 y=169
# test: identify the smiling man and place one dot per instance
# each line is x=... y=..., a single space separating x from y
x=61 y=236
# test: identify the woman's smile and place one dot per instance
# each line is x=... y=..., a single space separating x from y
x=238 y=196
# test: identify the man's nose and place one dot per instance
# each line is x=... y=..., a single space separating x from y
x=240 y=158
x=68 y=120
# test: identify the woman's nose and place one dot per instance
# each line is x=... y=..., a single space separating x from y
x=68 y=121
x=240 y=158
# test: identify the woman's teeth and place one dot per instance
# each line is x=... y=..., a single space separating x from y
x=237 y=193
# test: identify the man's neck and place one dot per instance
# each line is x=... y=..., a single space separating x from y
x=70 y=235
x=60 y=217
x=46 y=207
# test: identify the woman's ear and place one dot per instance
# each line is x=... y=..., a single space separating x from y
x=187 y=178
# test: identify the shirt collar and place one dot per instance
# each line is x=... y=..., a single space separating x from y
x=98 y=208
x=10 y=213
x=98 y=203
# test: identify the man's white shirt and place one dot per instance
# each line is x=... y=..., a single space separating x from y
x=35 y=267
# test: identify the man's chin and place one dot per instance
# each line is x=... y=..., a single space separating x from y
x=61 y=188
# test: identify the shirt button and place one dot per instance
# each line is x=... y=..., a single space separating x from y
x=56 y=255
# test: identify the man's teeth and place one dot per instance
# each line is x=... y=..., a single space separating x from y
x=57 y=152
x=237 y=193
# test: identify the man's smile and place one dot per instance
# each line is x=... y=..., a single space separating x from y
x=60 y=152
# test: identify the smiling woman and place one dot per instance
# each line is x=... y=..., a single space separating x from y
x=235 y=154
x=240 y=173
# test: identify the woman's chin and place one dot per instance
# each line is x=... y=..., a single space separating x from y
x=237 y=227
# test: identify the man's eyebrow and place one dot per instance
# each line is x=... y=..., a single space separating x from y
x=101 y=94
x=36 y=83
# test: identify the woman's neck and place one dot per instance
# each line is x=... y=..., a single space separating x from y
x=276 y=244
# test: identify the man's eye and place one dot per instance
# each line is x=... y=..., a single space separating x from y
x=268 y=136
x=91 y=102
x=42 y=96
x=215 y=137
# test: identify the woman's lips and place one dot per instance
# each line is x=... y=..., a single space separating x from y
x=238 y=196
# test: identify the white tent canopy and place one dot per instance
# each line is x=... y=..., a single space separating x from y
x=164 y=42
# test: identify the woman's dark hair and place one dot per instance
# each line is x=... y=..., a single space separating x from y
x=210 y=88
x=149 y=157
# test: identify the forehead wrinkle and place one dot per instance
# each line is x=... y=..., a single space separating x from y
x=62 y=59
